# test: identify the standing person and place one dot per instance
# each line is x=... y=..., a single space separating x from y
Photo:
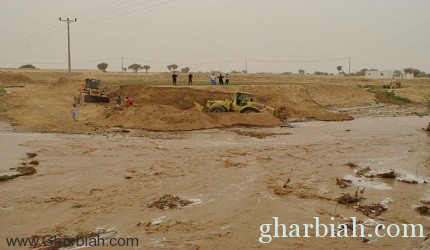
x=213 y=79
x=227 y=80
x=174 y=76
x=221 y=79
x=74 y=112
x=118 y=101
x=190 y=79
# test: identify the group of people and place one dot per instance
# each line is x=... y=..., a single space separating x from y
x=213 y=79
x=128 y=101
x=220 y=79
x=175 y=79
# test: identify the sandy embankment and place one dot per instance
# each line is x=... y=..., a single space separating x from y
x=46 y=107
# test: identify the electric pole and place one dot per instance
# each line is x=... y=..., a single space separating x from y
x=122 y=64
x=349 y=66
x=68 y=21
x=246 y=66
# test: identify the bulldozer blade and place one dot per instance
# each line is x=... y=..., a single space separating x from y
x=198 y=106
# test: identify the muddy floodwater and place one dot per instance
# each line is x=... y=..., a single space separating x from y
x=232 y=176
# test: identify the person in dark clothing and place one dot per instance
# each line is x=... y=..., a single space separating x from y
x=221 y=79
x=227 y=80
x=190 y=79
x=174 y=77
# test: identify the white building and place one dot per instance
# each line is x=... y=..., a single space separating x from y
x=408 y=76
x=379 y=74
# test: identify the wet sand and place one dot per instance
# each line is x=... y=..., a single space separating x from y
x=85 y=181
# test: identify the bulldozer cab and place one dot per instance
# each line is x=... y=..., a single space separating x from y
x=92 y=84
x=240 y=99
x=92 y=87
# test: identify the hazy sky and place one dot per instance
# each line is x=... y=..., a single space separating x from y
x=274 y=35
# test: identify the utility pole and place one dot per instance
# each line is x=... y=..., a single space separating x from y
x=122 y=64
x=349 y=67
x=68 y=21
x=246 y=65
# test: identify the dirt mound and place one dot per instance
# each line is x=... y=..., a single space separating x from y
x=172 y=108
x=62 y=80
x=10 y=78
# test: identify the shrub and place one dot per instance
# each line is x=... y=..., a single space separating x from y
x=27 y=66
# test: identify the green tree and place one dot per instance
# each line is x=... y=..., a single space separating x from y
x=339 y=68
x=124 y=69
x=413 y=71
x=102 y=66
x=135 y=67
x=185 y=70
x=301 y=72
x=397 y=73
x=172 y=67
x=146 y=67
x=27 y=66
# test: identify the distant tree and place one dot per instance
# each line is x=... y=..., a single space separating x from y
x=245 y=71
x=318 y=73
x=102 y=66
x=422 y=74
x=301 y=72
x=27 y=66
x=172 y=67
x=397 y=73
x=124 y=69
x=359 y=73
x=135 y=67
x=146 y=67
x=185 y=70
x=235 y=72
x=413 y=71
x=339 y=68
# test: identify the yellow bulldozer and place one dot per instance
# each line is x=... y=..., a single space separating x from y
x=240 y=102
x=93 y=93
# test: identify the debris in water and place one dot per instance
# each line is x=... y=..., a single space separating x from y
x=169 y=201
x=372 y=210
x=352 y=165
x=348 y=199
x=424 y=210
x=343 y=183
x=34 y=162
x=386 y=201
x=362 y=171
x=31 y=155
x=26 y=170
x=389 y=174
x=370 y=223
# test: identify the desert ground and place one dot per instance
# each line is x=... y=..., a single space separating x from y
x=112 y=171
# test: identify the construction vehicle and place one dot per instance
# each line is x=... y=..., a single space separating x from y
x=240 y=102
x=93 y=93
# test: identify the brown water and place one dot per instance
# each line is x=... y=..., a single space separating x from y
x=85 y=181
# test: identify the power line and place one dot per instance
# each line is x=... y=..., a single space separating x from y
x=100 y=7
x=297 y=61
x=127 y=13
x=108 y=10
